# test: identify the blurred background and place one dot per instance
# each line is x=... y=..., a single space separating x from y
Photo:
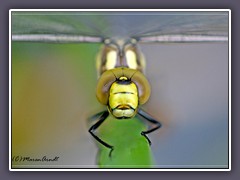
x=53 y=94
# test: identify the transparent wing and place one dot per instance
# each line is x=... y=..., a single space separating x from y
x=95 y=26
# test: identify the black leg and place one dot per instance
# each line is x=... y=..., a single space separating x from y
x=95 y=116
x=103 y=116
x=149 y=118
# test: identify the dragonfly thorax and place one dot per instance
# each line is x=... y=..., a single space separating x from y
x=115 y=53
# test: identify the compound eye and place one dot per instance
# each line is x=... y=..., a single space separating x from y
x=104 y=83
x=144 y=89
x=131 y=58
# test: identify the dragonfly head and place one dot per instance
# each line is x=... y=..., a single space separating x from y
x=123 y=90
x=123 y=98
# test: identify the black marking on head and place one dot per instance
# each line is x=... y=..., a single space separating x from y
x=124 y=82
x=124 y=92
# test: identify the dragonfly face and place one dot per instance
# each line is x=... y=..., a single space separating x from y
x=123 y=98
x=122 y=85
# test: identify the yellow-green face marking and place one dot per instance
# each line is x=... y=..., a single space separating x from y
x=123 y=98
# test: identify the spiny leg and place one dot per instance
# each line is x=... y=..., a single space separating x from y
x=149 y=118
x=103 y=116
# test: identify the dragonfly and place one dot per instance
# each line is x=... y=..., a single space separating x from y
x=122 y=86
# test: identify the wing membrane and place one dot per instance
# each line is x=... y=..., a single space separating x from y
x=95 y=26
